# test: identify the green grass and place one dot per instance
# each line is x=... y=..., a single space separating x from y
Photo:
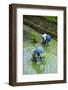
x=51 y=18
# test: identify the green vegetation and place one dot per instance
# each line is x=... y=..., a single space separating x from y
x=34 y=37
x=51 y=18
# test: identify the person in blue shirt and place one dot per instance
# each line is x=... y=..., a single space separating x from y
x=36 y=53
x=46 y=38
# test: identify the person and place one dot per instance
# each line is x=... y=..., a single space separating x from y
x=46 y=38
x=36 y=53
x=38 y=56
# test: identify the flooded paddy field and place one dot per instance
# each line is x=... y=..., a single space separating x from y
x=45 y=66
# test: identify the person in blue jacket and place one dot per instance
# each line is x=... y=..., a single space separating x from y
x=36 y=53
x=46 y=38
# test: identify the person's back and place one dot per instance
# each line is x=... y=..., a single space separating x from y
x=48 y=37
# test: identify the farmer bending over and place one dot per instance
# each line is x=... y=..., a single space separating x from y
x=46 y=38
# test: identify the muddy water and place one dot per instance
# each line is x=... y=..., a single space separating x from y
x=48 y=64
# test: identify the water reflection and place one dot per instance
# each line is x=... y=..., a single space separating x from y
x=38 y=66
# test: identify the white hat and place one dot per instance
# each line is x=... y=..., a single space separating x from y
x=44 y=35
